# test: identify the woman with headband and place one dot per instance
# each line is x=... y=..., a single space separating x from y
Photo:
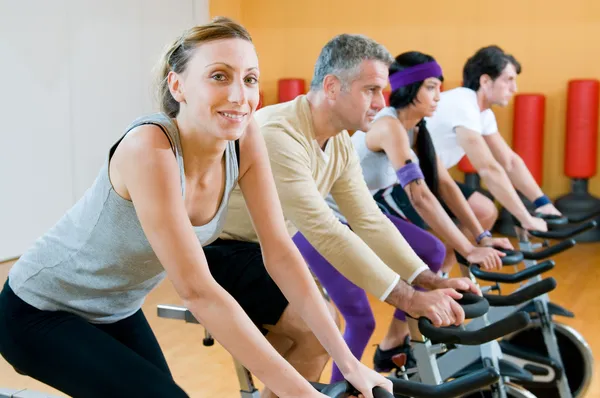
x=414 y=184
x=389 y=163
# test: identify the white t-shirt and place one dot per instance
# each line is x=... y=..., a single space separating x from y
x=457 y=107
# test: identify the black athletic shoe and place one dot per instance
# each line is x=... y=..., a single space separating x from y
x=382 y=360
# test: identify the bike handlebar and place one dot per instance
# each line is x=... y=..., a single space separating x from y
x=457 y=387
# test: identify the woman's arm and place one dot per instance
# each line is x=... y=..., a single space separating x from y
x=391 y=137
x=144 y=163
x=285 y=263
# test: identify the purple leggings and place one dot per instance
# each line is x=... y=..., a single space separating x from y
x=351 y=300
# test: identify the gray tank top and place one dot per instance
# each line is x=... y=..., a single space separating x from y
x=96 y=261
x=377 y=169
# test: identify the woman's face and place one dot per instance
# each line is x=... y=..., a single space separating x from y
x=218 y=91
x=428 y=97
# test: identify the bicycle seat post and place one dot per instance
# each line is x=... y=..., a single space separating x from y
x=425 y=354
x=247 y=388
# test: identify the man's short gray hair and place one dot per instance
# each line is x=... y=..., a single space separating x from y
x=343 y=55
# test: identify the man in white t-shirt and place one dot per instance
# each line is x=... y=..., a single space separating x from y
x=465 y=124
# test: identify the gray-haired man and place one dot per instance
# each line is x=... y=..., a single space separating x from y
x=311 y=156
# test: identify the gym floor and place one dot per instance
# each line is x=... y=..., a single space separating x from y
x=205 y=372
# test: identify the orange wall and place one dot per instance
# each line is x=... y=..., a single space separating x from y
x=546 y=36
x=226 y=8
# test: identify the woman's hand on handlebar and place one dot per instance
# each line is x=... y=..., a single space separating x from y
x=502 y=243
x=365 y=379
x=548 y=209
x=487 y=257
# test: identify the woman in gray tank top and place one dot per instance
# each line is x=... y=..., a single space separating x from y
x=70 y=312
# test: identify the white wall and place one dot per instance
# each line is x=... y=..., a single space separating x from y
x=75 y=73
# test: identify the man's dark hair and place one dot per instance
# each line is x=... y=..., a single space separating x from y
x=489 y=61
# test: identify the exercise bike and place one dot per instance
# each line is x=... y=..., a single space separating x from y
x=532 y=357
x=463 y=357
x=558 y=355
x=473 y=306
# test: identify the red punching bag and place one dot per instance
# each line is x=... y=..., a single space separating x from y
x=472 y=179
x=465 y=165
x=582 y=128
x=290 y=89
x=580 y=153
x=528 y=131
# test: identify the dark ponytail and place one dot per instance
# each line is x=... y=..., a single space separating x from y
x=427 y=159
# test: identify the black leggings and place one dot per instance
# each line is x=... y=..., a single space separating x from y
x=81 y=359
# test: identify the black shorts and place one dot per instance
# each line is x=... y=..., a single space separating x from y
x=402 y=203
x=238 y=267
